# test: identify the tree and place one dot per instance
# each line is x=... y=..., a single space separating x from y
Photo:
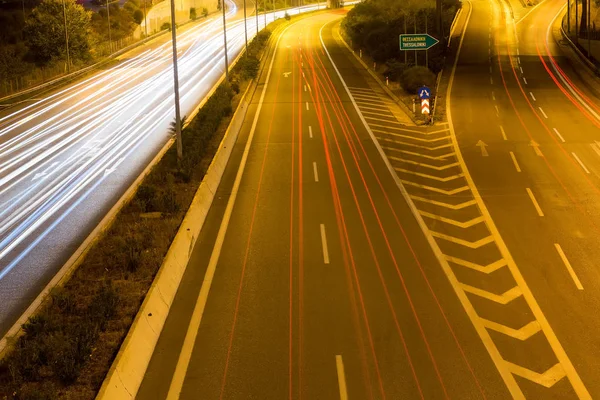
x=45 y=31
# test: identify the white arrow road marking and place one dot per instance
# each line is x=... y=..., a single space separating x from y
x=535 y=203
x=45 y=172
x=286 y=74
x=112 y=169
x=580 y=163
x=565 y=260
x=482 y=146
x=536 y=148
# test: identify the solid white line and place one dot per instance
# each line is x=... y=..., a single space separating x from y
x=580 y=163
x=559 y=135
x=535 y=203
x=324 y=244
x=543 y=113
x=341 y=377
x=525 y=80
x=532 y=96
x=307 y=106
x=316 y=173
x=562 y=255
x=512 y=155
x=310 y=131
x=503 y=133
x=194 y=325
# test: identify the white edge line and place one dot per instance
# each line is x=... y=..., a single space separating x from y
x=535 y=203
x=565 y=260
x=194 y=325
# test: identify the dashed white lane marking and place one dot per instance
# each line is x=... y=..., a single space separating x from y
x=512 y=155
x=503 y=133
x=324 y=244
x=491 y=69
x=339 y=363
x=562 y=255
x=521 y=68
x=525 y=80
x=535 y=203
x=497 y=110
x=491 y=80
x=532 y=96
x=518 y=51
x=305 y=88
x=493 y=96
x=595 y=147
x=580 y=163
x=315 y=172
x=559 y=135
x=310 y=131
x=307 y=106
x=543 y=113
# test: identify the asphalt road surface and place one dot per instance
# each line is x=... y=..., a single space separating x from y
x=368 y=258
x=66 y=158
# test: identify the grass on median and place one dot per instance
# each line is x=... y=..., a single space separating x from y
x=69 y=345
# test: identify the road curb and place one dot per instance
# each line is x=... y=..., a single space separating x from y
x=588 y=63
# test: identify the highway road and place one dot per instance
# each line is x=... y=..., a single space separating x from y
x=358 y=256
x=67 y=157
x=325 y=286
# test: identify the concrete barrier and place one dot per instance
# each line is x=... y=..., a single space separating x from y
x=125 y=375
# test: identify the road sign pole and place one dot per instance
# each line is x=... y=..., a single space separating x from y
x=426 y=51
x=415 y=32
x=405 y=53
x=569 y=16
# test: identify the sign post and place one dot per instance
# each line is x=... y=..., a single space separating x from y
x=424 y=94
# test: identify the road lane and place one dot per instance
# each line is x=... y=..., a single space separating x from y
x=66 y=158
x=547 y=170
x=382 y=302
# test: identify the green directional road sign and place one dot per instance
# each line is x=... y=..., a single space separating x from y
x=419 y=41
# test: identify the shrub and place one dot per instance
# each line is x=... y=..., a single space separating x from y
x=138 y=16
x=287 y=16
x=395 y=69
x=169 y=201
x=205 y=12
x=248 y=67
x=193 y=15
x=103 y=305
x=166 y=26
x=415 y=77
x=147 y=197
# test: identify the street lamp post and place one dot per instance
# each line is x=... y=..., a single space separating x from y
x=245 y=28
x=176 y=85
x=145 y=19
x=66 y=37
x=109 y=36
x=256 y=12
x=225 y=42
